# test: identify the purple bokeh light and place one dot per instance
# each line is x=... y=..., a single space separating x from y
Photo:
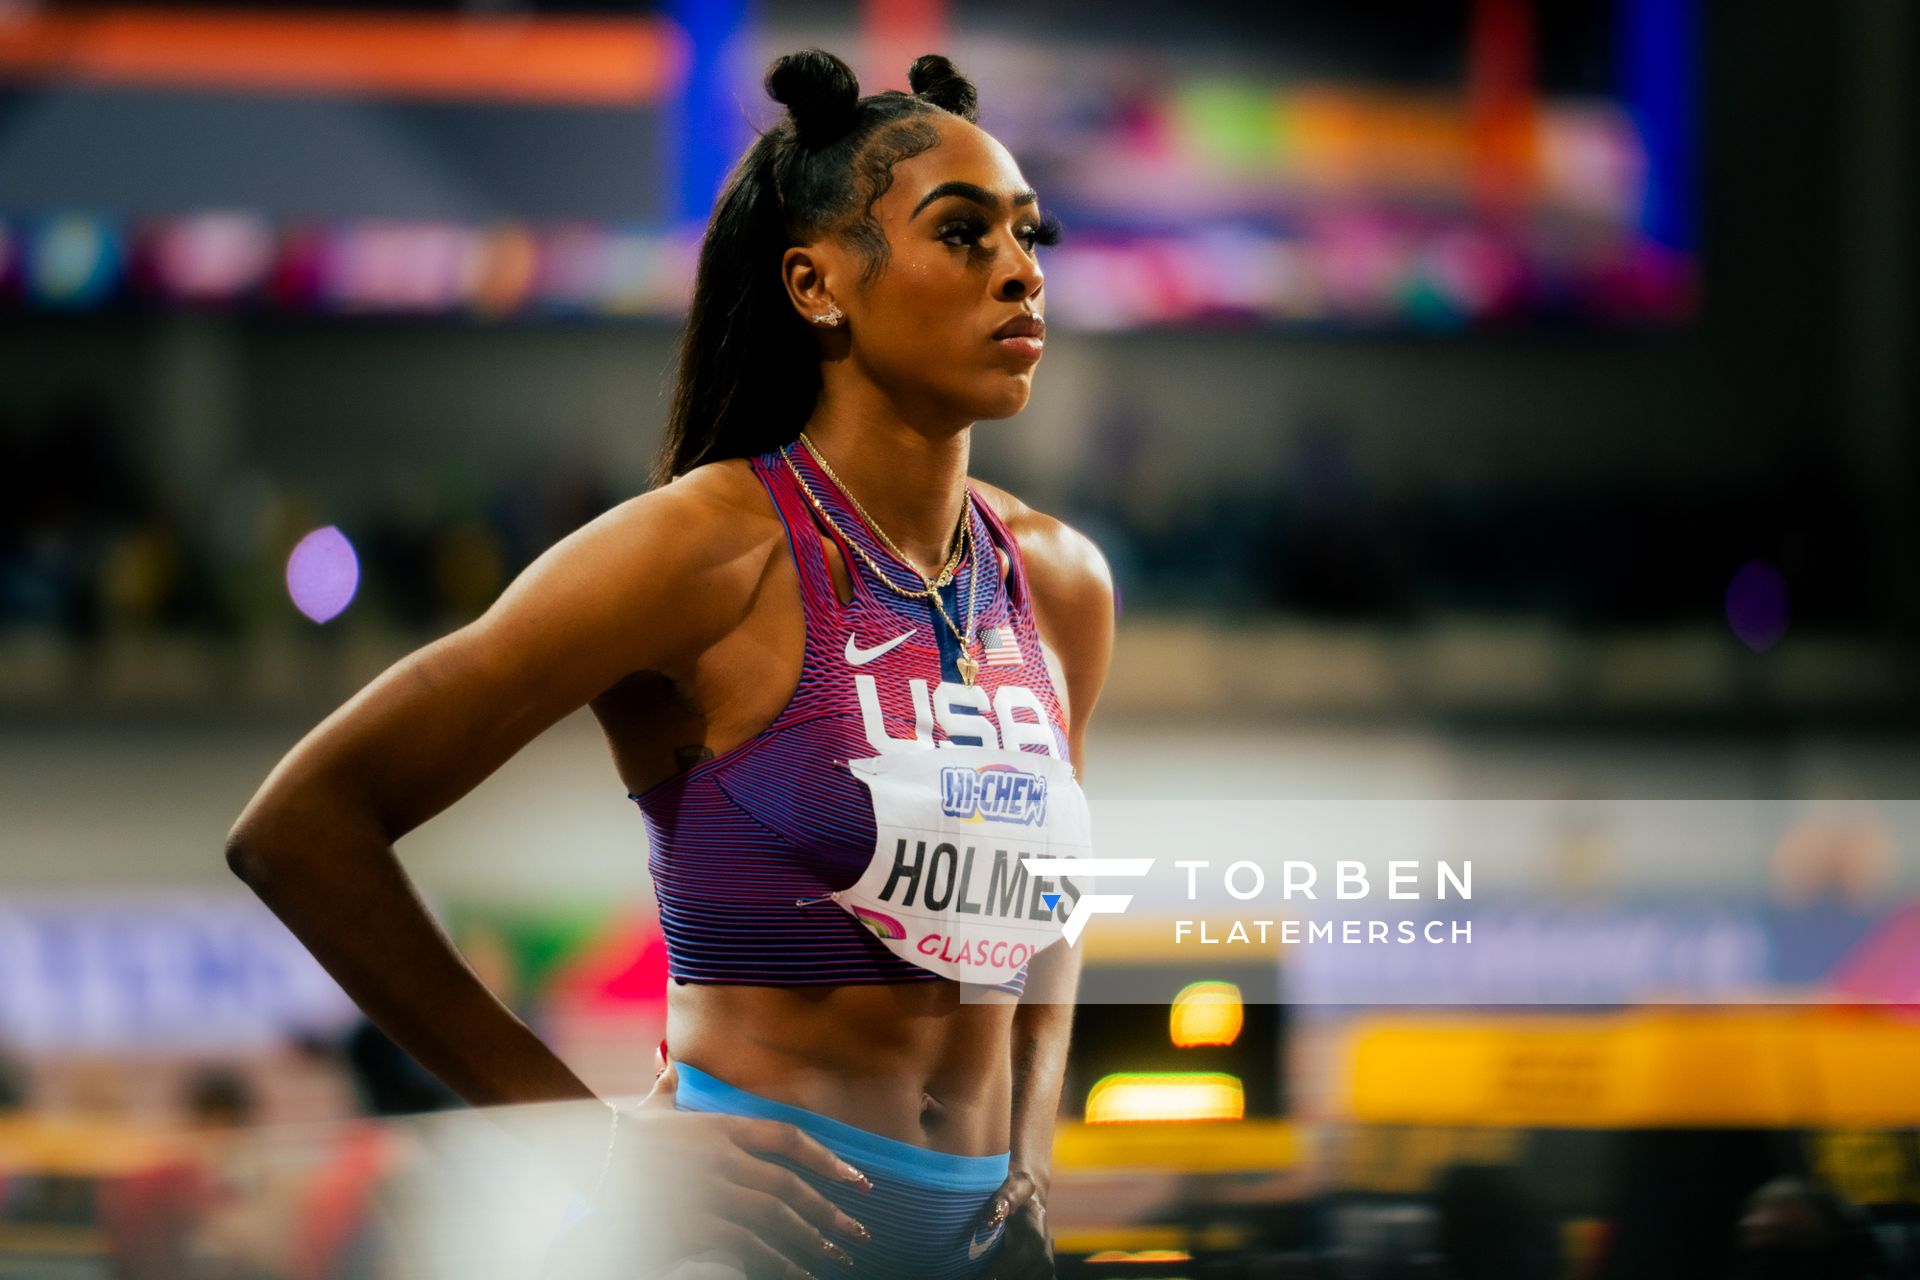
x=1757 y=605
x=322 y=574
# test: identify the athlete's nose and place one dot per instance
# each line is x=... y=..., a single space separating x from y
x=1024 y=280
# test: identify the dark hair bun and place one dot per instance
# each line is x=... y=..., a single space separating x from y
x=935 y=79
x=819 y=92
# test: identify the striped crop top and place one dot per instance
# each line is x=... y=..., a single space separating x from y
x=874 y=831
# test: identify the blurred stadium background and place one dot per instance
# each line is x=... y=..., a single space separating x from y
x=1480 y=401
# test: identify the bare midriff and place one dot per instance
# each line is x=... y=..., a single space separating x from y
x=912 y=1061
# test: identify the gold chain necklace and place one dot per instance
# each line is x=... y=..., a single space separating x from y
x=959 y=531
x=968 y=665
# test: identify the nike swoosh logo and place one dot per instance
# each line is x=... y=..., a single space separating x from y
x=858 y=657
x=977 y=1246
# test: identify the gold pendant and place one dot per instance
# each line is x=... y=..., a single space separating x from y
x=968 y=668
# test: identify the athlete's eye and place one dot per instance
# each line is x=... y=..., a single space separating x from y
x=969 y=231
x=964 y=232
x=1047 y=231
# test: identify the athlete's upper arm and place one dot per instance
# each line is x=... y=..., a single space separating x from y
x=1072 y=590
x=647 y=586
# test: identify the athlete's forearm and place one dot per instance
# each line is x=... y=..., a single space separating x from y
x=1042 y=1031
x=336 y=883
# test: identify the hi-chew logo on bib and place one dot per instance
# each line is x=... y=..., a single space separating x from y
x=951 y=885
x=994 y=793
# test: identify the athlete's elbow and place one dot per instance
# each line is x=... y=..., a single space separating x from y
x=293 y=836
x=260 y=845
x=245 y=854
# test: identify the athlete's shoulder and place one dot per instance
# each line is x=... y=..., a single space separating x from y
x=1064 y=565
x=649 y=585
x=715 y=493
x=715 y=514
x=687 y=557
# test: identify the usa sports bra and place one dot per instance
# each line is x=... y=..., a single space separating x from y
x=874 y=831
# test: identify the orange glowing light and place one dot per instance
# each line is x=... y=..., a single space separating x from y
x=1206 y=1013
x=1131 y=1097
x=554 y=59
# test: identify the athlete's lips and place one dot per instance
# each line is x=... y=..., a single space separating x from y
x=1025 y=335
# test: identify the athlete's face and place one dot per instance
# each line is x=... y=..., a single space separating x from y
x=961 y=226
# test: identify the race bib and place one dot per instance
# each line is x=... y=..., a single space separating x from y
x=946 y=888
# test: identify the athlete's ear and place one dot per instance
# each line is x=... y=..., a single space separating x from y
x=808 y=271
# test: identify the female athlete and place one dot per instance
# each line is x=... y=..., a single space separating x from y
x=844 y=683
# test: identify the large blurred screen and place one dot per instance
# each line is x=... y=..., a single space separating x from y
x=1322 y=164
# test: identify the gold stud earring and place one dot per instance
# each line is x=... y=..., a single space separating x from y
x=831 y=316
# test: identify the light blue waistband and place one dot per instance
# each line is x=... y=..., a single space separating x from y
x=870 y=1153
